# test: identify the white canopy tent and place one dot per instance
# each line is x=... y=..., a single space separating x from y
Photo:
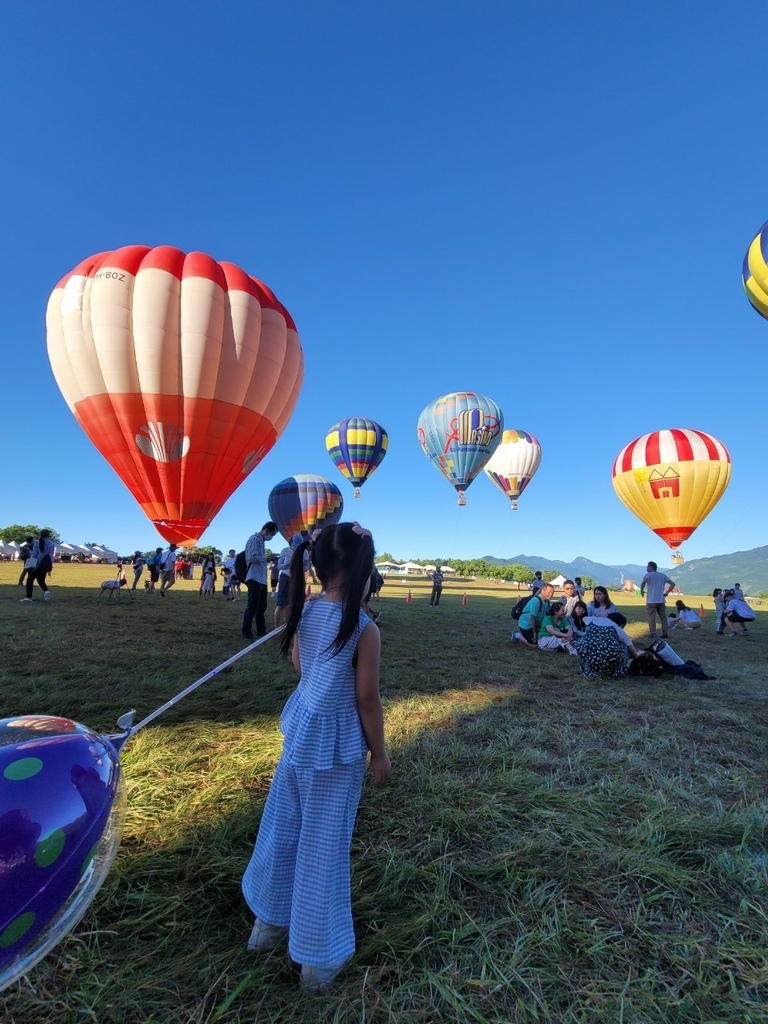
x=558 y=581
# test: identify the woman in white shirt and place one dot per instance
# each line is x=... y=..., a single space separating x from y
x=685 y=617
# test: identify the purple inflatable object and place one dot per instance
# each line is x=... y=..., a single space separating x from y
x=61 y=814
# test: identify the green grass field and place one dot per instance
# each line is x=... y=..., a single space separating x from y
x=548 y=849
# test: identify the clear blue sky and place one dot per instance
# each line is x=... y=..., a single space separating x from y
x=547 y=203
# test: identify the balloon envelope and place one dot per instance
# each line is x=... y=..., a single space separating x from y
x=356 y=446
x=672 y=479
x=513 y=464
x=183 y=372
x=300 y=503
x=754 y=272
x=458 y=433
x=61 y=814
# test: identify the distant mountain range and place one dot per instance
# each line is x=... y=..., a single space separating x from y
x=700 y=576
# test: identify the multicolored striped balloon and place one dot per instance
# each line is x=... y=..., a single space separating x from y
x=300 y=503
x=754 y=272
x=356 y=446
x=182 y=371
x=671 y=480
x=458 y=433
x=514 y=463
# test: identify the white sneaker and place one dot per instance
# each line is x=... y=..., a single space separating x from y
x=25 y=600
x=317 y=978
x=266 y=936
x=47 y=596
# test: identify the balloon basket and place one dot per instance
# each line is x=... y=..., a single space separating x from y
x=357 y=492
x=462 y=500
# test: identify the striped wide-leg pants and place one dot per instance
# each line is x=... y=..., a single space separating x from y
x=299 y=873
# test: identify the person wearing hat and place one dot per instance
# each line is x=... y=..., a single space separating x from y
x=284 y=578
x=139 y=561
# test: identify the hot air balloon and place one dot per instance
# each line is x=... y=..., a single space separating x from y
x=754 y=272
x=357 y=447
x=513 y=464
x=672 y=479
x=183 y=372
x=459 y=433
x=300 y=503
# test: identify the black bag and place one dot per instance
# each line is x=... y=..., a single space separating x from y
x=241 y=567
x=44 y=562
x=517 y=611
x=648 y=664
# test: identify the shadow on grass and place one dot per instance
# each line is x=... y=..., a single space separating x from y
x=535 y=858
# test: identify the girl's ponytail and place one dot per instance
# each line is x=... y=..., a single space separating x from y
x=296 y=596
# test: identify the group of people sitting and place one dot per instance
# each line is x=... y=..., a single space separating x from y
x=593 y=632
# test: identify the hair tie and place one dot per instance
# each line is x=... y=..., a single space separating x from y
x=358 y=529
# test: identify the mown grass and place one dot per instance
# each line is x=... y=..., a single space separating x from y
x=548 y=850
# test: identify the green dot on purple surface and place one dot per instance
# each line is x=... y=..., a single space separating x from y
x=48 y=850
x=22 y=769
x=18 y=927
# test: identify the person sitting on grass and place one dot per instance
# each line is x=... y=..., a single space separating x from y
x=555 y=633
x=577 y=617
x=605 y=649
x=684 y=616
x=530 y=620
x=601 y=605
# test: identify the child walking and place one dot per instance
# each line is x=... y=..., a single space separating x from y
x=298 y=880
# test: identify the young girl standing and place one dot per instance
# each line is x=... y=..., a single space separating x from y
x=298 y=880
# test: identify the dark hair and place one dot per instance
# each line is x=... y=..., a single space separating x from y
x=618 y=618
x=608 y=600
x=579 y=611
x=340 y=552
x=270 y=527
x=653 y=564
x=578 y=580
x=681 y=606
x=556 y=606
x=566 y=582
x=716 y=591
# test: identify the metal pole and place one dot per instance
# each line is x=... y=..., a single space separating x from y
x=125 y=720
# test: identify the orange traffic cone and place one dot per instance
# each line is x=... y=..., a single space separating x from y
x=464 y=601
x=409 y=599
x=701 y=611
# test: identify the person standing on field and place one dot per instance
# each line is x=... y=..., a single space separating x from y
x=437 y=587
x=658 y=586
x=139 y=562
x=297 y=883
x=25 y=553
x=256 y=580
x=168 y=569
x=42 y=555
